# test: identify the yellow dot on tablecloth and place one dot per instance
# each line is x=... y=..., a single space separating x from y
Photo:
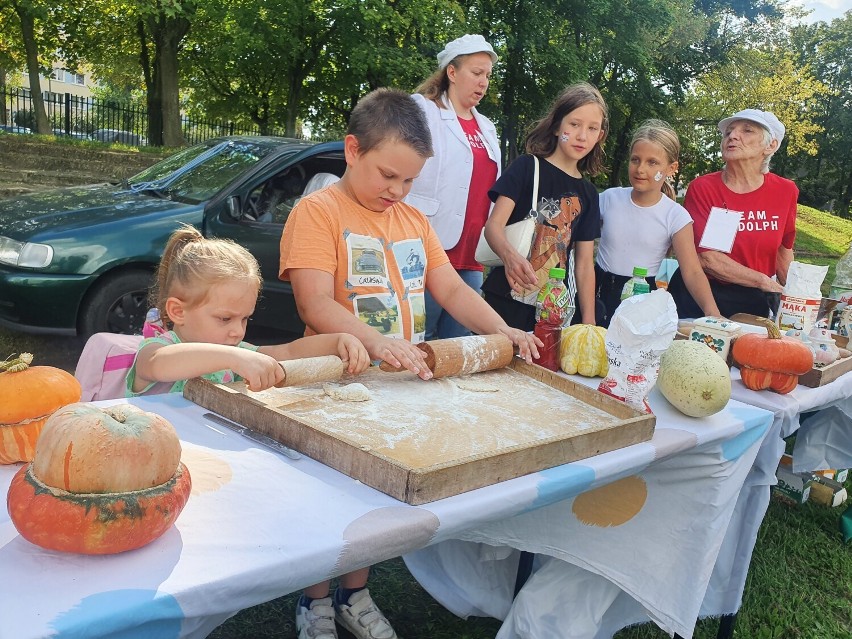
x=404 y=527
x=611 y=505
x=208 y=472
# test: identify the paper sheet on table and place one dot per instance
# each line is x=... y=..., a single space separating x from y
x=721 y=229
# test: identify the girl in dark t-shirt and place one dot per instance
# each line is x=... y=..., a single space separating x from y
x=567 y=142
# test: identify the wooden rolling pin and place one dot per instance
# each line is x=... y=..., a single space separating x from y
x=444 y=357
x=311 y=370
x=463 y=355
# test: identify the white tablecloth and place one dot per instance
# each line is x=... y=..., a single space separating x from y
x=597 y=579
x=788 y=410
x=259 y=525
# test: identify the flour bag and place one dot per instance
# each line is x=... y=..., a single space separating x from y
x=641 y=329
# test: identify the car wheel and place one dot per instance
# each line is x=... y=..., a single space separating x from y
x=118 y=304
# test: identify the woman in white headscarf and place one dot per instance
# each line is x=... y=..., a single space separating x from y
x=746 y=274
x=452 y=189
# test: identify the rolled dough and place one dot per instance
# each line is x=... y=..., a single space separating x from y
x=349 y=393
x=475 y=385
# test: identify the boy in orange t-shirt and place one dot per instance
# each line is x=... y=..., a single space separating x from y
x=359 y=260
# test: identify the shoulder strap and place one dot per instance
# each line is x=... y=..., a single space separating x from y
x=534 y=206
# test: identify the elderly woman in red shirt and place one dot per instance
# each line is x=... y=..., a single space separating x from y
x=746 y=262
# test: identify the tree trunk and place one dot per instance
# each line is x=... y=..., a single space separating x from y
x=169 y=84
x=28 y=31
x=846 y=197
x=151 y=76
x=621 y=149
x=294 y=100
x=164 y=104
x=4 y=111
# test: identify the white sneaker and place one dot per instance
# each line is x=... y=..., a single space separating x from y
x=316 y=622
x=362 y=618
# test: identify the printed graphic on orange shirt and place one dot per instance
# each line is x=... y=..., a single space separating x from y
x=367 y=262
x=410 y=256
x=379 y=311
x=417 y=308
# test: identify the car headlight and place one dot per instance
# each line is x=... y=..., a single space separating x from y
x=24 y=254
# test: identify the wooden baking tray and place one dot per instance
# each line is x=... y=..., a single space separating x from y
x=421 y=441
x=820 y=376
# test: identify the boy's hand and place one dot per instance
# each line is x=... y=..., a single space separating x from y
x=258 y=370
x=350 y=349
x=527 y=343
x=400 y=353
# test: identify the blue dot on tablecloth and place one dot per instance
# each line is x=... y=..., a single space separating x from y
x=138 y=614
x=670 y=441
x=561 y=482
x=733 y=448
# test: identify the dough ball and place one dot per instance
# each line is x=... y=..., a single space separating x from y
x=349 y=393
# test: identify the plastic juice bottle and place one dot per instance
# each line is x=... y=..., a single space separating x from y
x=637 y=284
x=550 y=315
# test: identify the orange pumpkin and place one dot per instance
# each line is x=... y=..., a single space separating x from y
x=771 y=361
x=102 y=481
x=28 y=395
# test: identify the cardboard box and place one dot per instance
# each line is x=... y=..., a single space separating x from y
x=827 y=492
x=716 y=333
x=838 y=475
x=794 y=486
x=798 y=313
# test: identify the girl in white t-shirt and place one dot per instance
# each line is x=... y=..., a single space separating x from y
x=639 y=226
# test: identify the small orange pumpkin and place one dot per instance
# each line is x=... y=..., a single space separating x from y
x=102 y=481
x=771 y=361
x=28 y=396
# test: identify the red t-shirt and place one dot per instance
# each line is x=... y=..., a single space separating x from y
x=483 y=177
x=768 y=217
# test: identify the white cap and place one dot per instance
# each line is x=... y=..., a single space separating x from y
x=465 y=45
x=765 y=119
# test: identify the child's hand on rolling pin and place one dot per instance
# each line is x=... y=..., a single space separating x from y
x=259 y=371
x=400 y=353
x=527 y=343
x=351 y=350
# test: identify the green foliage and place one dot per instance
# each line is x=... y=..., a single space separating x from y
x=769 y=79
x=827 y=49
x=301 y=65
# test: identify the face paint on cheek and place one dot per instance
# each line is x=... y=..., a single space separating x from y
x=658 y=176
x=564 y=137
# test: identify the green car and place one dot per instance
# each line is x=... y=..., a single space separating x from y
x=80 y=260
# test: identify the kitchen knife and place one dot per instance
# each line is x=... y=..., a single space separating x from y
x=259 y=438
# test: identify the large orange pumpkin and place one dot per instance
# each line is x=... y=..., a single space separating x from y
x=28 y=395
x=771 y=361
x=102 y=481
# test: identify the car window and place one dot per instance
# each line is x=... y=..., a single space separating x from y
x=206 y=178
x=272 y=201
x=164 y=168
x=198 y=173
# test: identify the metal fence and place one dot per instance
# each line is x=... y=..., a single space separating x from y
x=104 y=120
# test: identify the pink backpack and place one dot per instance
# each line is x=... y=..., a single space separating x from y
x=103 y=365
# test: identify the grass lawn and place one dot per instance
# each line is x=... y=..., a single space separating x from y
x=822 y=239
